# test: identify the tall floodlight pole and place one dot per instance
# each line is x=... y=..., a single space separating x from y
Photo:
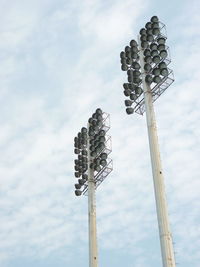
x=92 y=145
x=91 y=212
x=151 y=55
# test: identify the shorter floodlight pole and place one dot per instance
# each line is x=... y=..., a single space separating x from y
x=161 y=202
x=93 y=257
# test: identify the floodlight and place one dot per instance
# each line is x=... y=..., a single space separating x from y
x=84 y=141
x=76 y=167
x=144 y=45
x=80 y=146
x=156 y=31
x=78 y=186
x=148 y=79
x=94 y=123
x=133 y=43
x=99 y=111
x=124 y=67
x=153 y=46
x=138 y=90
x=97 y=161
x=143 y=38
x=102 y=139
x=78 y=192
x=103 y=162
x=154 y=19
x=147 y=52
x=148 y=25
x=128 y=103
x=148 y=59
x=81 y=181
x=134 y=49
x=94 y=115
x=99 y=124
x=101 y=145
x=137 y=80
x=161 y=40
x=127 y=48
x=136 y=73
x=90 y=120
x=154 y=53
x=156 y=59
x=129 y=111
x=164 y=72
x=93 y=153
x=142 y=31
x=127 y=92
x=130 y=72
x=92 y=148
x=128 y=54
x=76 y=151
x=85 y=160
x=157 y=79
x=99 y=117
x=91 y=133
x=136 y=66
x=155 y=25
x=123 y=61
x=85 y=176
x=150 y=38
x=162 y=65
x=129 y=61
x=163 y=53
x=156 y=71
x=77 y=174
x=102 y=133
x=84 y=152
x=97 y=168
x=161 y=47
x=126 y=86
x=134 y=55
x=103 y=156
x=131 y=86
x=96 y=143
x=147 y=67
x=149 y=31
x=133 y=97
x=122 y=54
x=84 y=130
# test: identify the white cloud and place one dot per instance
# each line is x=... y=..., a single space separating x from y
x=60 y=63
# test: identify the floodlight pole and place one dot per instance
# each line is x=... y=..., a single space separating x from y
x=93 y=257
x=159 y=188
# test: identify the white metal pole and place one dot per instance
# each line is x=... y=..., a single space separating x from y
x=93 y=257
x=167 y=250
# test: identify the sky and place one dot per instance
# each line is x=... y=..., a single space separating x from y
x=59 y=62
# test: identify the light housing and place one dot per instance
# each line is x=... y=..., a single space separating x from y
x=129 y=111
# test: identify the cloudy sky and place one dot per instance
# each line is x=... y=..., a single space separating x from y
x=59 y=61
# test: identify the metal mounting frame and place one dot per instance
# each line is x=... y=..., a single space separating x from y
x=156 y=89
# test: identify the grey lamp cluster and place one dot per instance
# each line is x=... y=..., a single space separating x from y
x=81 y=163
x=90 y=141
x=152 y=39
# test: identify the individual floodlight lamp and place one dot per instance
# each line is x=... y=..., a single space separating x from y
x=92 y=146
x=153 y=60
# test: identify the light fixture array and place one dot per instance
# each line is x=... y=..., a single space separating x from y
x=152 y=47
x=92 y=146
